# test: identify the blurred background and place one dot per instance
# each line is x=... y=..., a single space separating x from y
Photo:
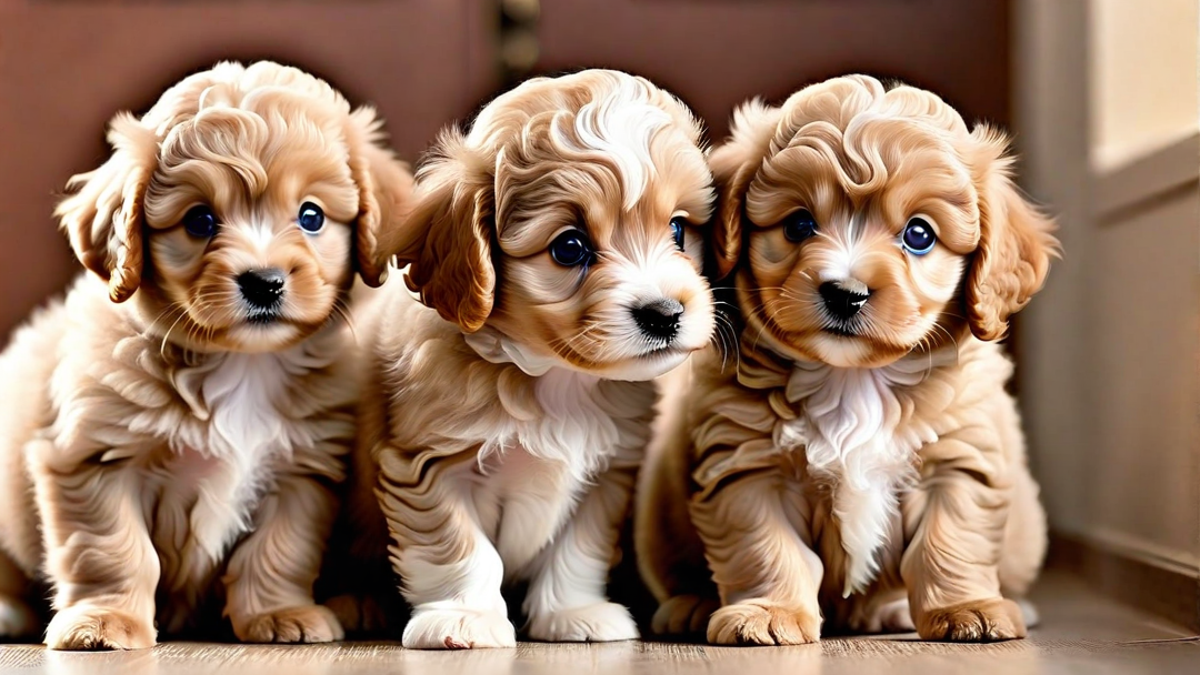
x=1101 y=95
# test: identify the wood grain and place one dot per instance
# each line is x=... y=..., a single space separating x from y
x=1081 y=632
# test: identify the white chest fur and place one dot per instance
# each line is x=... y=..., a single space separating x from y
x=533 y=475
x=244 y=431
x=222 y=453
x=856 y=433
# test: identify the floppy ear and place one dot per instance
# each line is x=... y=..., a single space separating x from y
x=103 y=219
x=450 y=247
x=1015 y=244
x=733 y=165
x=385 y=195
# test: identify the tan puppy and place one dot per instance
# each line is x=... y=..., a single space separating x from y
x=557 y=257
x=863 y=448
x=186 y=410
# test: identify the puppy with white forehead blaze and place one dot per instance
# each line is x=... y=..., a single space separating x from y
x=863 y=462
x=557 y=255
x=176 y=425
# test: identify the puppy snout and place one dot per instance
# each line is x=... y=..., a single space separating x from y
x=262 y=288
x=844 y=299
x=659 y=319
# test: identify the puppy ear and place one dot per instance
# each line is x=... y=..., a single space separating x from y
x=104 y=219
x=385 y=195
x=450 y=250
x=1015 y=244
x=734 y=164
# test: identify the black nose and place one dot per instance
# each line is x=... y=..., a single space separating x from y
x=262 y=288
x=659 y=319
x=841 y=302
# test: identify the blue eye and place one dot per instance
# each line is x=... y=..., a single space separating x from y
x=918 y=237
x=677 y=225
x=311 y=218
x=571 y=248
x=800 y=226
x=200 y=222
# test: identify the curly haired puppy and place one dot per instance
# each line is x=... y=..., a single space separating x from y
x=184 y=412
x=557 y=260
x=862 y=459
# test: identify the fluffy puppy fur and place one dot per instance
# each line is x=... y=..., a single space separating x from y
x=862 y=461
x=510 y=407
x=160 y=427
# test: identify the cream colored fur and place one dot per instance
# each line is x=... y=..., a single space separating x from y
x=158 y=447
x=874 y=479
x=508 y=414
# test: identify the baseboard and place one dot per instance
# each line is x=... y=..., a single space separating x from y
x=1169 y=592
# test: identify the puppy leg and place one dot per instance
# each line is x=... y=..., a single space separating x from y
x=670 y=555
x=17 y=619
x=951 y=565
x=450 y=572
x=567 y=601
x=1024 y=545
x=767 y=577
x=271 y=574
x=99 y=557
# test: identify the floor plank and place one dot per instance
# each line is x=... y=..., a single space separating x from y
x=1080 y=632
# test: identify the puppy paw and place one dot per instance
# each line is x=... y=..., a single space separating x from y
x=17 y=620
x=1029 y=613
x=683 y=615
x=758 y=622
x=601 y=622
x=306 y=623
x=93 y=628
x=358 y=614
x=889 y=617
x=458 y=629
x=977 y=621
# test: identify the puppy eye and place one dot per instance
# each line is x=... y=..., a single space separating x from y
x=200 y=222
x=311 y=218
x=677 y=225
x=800 y=226
x=571 y=248
x=918 y=237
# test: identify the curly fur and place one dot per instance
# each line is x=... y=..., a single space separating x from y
x=507 y=414
x=158 y=444
x=832 y=473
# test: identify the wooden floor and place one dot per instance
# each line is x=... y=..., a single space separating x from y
x=1080 y=633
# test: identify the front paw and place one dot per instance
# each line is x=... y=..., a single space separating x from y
x=759 y=622
x=683 y=615
x=305 y=623
x=17 y=619
x=976 y=621
x=887 y=618
x=458 y=629
x=600 y=622
x=94 y=628
x=359 y=614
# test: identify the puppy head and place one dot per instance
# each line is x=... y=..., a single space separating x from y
x=867 y=222
x=569 y=220
x=240 y=205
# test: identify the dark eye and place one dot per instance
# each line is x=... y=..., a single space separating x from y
x=311 y=218
x=571 y=248
x=677 y=225
x=800 y=226
x=918 y=237
x=200 y=222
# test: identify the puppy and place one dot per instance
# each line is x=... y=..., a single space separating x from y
x=556 y=253
x=187 y=408
x=860 y=460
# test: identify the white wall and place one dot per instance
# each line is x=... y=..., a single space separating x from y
x=1111 y=390
x=1143 y=74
